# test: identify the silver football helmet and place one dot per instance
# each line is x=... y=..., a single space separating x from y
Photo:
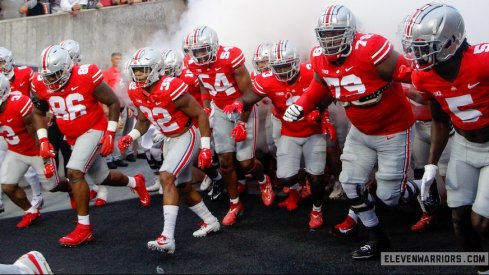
x=203 y=44
x=55 y=68
x=284 y=60
x=4 y=88
x=185 y=45
x=335 y=31
x=173 y=63
x=73 y=48
x=432 y=34
x=6 y=63
x=261 y=57
x=146 y=66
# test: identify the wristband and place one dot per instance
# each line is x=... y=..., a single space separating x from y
x=135 y=134
x=42 y=133
x=205 y=142
x=112 y=126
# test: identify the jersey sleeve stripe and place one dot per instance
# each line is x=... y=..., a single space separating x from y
x=96 y=80
x=27 y=108
x=381 y=50
x=237 y=61
x=386 y=52
x=97 y=74
x=178 y=92
x=258 y=89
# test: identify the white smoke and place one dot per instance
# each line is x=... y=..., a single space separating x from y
x=247 y=23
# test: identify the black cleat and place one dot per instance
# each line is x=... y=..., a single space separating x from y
x=371 y=250
x=131 y=158
x=121 y=163
x=111 y=165
x=216 y=190
x=432 y=203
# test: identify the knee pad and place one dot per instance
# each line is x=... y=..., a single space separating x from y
x=358 y=197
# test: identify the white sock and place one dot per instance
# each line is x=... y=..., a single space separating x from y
x=218 y=177
x=170 y=213
x=132 y=182
x=242 y=181
x=234 y=201
x=353 y=215
x=94 y=187
x=203 y=212
x=85 y=220
x=369 y=218
x=317 y=208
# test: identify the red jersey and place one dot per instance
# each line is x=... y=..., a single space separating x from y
x=283 y=95
x=253 y=75
x=159 y=107
x=466 y=99
x=218 y=76
x=21 y=81
x=12 y=126
x=357 y=78
x=193 y=84
x=75 y=107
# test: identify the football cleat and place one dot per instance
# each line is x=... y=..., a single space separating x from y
x=162 y=244
x=216 y=190
x=101 y=196
x=292 y=201
x=267 y=194
x=28 y=219
x=371 y=249
x=206 y=183
x=305 y=190
x=205 y=228
x=235 y=210
x=82 y=234
x=424 y=223
x=347 y=228
x=316 y=219
x=34 y=263
x=140 y=189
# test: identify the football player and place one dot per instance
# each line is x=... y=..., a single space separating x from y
x=163 y=101
x=20 y=82
x=223 y=78
x=379 y=112
x=174 y=68
x=19 y=133
x=455 y=76
x=74 y=94
x=284 y=84
x=99 y=193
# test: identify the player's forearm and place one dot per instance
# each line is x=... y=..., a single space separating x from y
x=315 y=93
x=114 y=111
x=439 y=137
x=204 y=126
x=39 y=120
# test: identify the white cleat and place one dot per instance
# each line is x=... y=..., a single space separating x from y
x=337 y=192
x=206 y=183
x=155 y=186
x=162 y=244
x=33 y=263
x=37 y=201
x=205 y=228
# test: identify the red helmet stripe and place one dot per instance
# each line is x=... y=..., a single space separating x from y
x=136 y=56
x=195 y=36
x=329 y=15
x=44 y=58
x=258 y=50
x=414 y=17
x=279 y=53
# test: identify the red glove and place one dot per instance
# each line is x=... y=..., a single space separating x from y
x=47 y=149
x=205 y=158
x=208 y=111
x=124 y=143
x=233 y=107
x=49 y=170
x=239 y=131
x=327 y=126
x=314 y=116
x=107 y=143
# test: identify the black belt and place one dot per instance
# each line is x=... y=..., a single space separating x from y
x=375 y=94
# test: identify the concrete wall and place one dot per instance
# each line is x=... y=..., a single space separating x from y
x=99 y=32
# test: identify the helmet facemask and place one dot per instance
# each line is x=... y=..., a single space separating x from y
x=55 y=81
x=202 y=55
x=4 y=89
x=144 y=76
x=285 y=71
x=335 y=41
x=6 y=63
